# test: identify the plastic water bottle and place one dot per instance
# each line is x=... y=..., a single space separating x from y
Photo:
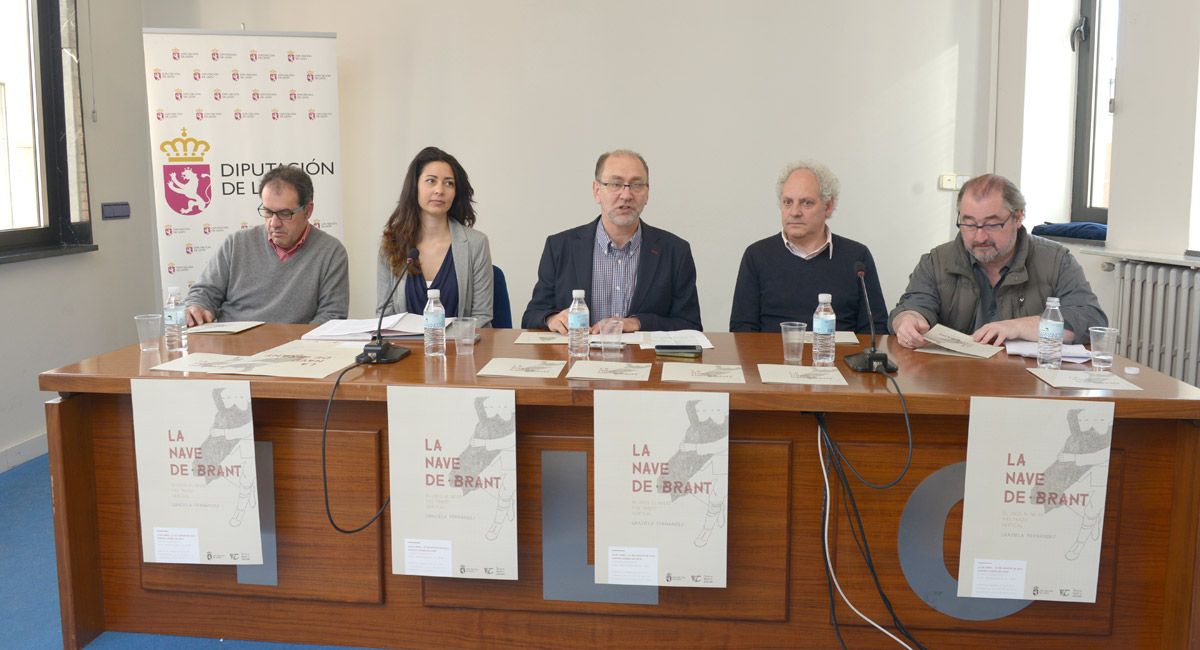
x=175 y=321
x=435 y=325
x=824 y=325
x=1050 y=336
x=579 y=325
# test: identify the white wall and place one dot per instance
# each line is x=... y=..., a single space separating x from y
x=1154 y=126
x=718 y=96
x=62 y=309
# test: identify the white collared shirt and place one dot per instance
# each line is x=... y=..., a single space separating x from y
x=808 y=256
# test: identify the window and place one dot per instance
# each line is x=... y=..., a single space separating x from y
x=1095 y=41
x=43 y=175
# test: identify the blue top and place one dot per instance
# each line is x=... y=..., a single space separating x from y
x=416 y=294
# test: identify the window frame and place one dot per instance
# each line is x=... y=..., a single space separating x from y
x=1085 y=85
x=60 y=235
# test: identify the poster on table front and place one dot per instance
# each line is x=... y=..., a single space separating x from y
x=224 y=108
x=661 y=488
x=453 y=473
x=1033 y=510
x=197 y=484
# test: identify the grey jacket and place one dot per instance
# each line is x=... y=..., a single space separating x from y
x=472 y=268
x=943 y=287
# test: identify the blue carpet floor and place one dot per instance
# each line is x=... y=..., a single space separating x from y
x=29 y=613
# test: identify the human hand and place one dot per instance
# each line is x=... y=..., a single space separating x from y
x=996 y=333
x=631 y=324
x=558 y=322
x=197 y=315
x=910 y=329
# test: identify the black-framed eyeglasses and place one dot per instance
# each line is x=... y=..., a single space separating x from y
x=616 y=187
x=972 y=228
x=282 y=215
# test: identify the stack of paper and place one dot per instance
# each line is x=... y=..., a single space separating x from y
x=309 y=359
x=1074 y=353
x=943 y=340
x=402 y=325
x=232 y=327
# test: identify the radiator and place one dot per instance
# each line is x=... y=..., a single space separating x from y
x=1158 y=313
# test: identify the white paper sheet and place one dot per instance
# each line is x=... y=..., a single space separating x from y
x=633 y=565
x=453 y=478
x=304 y=359
x=703 y=373
x=661 y=467
x=232 y=327
x=772 y=373
x=609 y=370
x=1073 y=353
x=1083 y=379
x=428 y=557
x=956 y=343
x=196 y=472
x=1034 y=498
x=541 y=338
x=522 y=368
x=402 y=325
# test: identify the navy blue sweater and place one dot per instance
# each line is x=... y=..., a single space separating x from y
x=774 y=286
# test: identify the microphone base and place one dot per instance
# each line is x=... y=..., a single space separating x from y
x=870 y=361
x=379 y=352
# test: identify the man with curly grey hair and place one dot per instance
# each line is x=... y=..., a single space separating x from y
x=781 y=276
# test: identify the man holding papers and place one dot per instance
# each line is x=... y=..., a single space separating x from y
x=644 y=275
x=284 y=271
x=993 y=279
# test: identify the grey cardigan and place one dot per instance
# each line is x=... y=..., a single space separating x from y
x=472 y=268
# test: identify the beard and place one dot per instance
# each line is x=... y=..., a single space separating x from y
x=985 y=254
x=990 y=252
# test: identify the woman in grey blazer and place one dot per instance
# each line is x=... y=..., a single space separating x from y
x=436 y=215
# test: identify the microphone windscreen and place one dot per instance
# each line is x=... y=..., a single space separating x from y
x=413 y=253
x=860 y=268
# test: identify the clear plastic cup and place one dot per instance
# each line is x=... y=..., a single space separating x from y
x=610 y=338
x=464 y=335
x=1104 y=346
x=150 y=330
x=793 y=342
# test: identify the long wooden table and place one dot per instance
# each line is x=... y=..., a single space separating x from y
x=339 y=589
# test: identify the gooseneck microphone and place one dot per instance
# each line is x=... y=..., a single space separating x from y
x=870 y=359
x=378 y=350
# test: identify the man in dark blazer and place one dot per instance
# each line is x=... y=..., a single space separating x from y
x=642 y=274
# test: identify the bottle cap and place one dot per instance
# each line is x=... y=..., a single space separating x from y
x=171 y=291
x=577 y=293
x=1051 y=301
x=824 y=297
x=435 y=293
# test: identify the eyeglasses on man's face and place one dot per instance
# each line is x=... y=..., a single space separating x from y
x=970 y=227
x=282 y=215
x=615 y=187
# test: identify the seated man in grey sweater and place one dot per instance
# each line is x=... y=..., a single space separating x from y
x=284 y=271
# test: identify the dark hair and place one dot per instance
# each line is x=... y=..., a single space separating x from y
x=402 y=228
x=293 y=177
x=620 y=152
